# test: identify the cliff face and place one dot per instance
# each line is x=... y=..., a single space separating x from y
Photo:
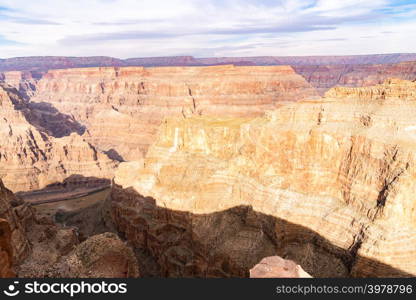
x=327 y=183
x=324 y=77
x=23 y=81
x=30 y=158
x=123 y=107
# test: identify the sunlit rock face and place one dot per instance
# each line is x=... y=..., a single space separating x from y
x=328 y=183
x=122 y=108
x=30 y=158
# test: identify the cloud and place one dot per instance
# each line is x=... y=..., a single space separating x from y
x=130 y=28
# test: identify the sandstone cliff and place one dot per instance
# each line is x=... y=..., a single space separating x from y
x=30 y=158
x=327 y=183
x=123 y=107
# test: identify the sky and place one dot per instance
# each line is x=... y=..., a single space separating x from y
x=205 y=28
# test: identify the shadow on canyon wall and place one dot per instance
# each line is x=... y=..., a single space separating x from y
x=114 y=155
x=227 y=243
x=44 y=116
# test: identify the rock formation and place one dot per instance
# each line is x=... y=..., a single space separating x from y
x=37 y=247
x=57 y=253
x=122 y=108
x=326 y=183
x=30 y=158
x=103 y=256
x=277 y=267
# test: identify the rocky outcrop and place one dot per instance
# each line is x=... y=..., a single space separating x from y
x=30 y=158
x=326 y=183
x=122 y=108
x=324 y=77
x=277 y=267
x=102 y=256
x=57 y=253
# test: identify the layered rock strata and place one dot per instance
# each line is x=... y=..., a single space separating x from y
x=326 y=183
x=324 y=77
x=30 y=158
x=23 y=81
x=122 y=108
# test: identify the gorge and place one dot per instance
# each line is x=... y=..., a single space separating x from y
x=210 y=170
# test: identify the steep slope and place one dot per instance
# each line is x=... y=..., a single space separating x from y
x=327 y=183
x=31 y=159
x=123 y=107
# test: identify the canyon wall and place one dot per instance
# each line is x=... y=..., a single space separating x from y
x=30 y=158
x=23 y=81
x=122 y=108
x=324 y=77
x=326 y=183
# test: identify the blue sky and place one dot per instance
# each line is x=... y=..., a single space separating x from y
x=202 y=28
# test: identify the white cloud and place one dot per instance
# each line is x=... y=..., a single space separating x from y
x=129 y=28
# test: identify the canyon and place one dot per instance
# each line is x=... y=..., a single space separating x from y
x=31 y=158
x=232 y=170
x=138 y=99
x=313 y=181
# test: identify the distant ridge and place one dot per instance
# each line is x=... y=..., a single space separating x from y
x=44 y=63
